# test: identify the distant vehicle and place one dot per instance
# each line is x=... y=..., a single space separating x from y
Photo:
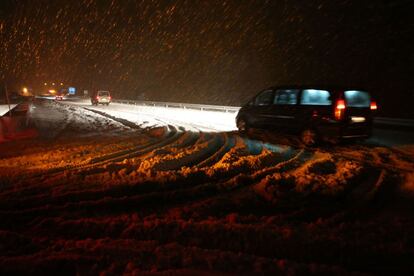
x=101 y=97
x=59 y=97
x=316 y=113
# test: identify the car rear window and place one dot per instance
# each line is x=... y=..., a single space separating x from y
x=357 y=98
x=103 y=93
x=315 y=97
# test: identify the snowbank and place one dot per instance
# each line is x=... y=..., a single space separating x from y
x=101 y=195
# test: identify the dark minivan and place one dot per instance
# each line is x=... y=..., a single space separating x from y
x=314 y=112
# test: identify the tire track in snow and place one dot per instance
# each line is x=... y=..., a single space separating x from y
x=56 y=173
x=180 y=192
x=227 y=144
x=248 y=202
x=45 y=175
x=112 y=157
x=142 y=194
x=215 y=150
x=119 y=120
x=170 y=140
x=185 y=156
x=40 y=198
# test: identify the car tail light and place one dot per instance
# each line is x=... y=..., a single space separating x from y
x=340 y=109
x=373 y=105
x=97 y=97
x=110 y=97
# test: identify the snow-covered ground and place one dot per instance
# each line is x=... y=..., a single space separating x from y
x=119 y=189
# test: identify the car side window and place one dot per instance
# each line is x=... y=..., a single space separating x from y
x=315 y=97
x=286 y=96
x=264 y=98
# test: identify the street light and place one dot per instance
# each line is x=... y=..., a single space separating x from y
x=25 y=90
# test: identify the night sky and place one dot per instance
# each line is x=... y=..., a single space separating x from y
x=210 y=51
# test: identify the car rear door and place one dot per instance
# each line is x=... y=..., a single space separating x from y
x=357 y=105
x=258 y=111
x=358 y=115
x=282 y=114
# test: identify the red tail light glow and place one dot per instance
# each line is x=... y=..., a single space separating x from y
x=373 y=105
x=340 y=109
x=340 y=104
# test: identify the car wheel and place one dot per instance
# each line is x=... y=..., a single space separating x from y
x=242 y=125
x=309 y=137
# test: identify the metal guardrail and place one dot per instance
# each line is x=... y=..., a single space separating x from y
x=394 y=122
x=202 y=107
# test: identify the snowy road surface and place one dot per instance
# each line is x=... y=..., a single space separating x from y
x=4 y=108
x=136 y=190
x=194 y=119
x=218 y=121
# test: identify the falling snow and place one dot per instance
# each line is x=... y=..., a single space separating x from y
x=207 y=51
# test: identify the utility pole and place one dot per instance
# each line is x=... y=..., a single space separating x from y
x=7 y=98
